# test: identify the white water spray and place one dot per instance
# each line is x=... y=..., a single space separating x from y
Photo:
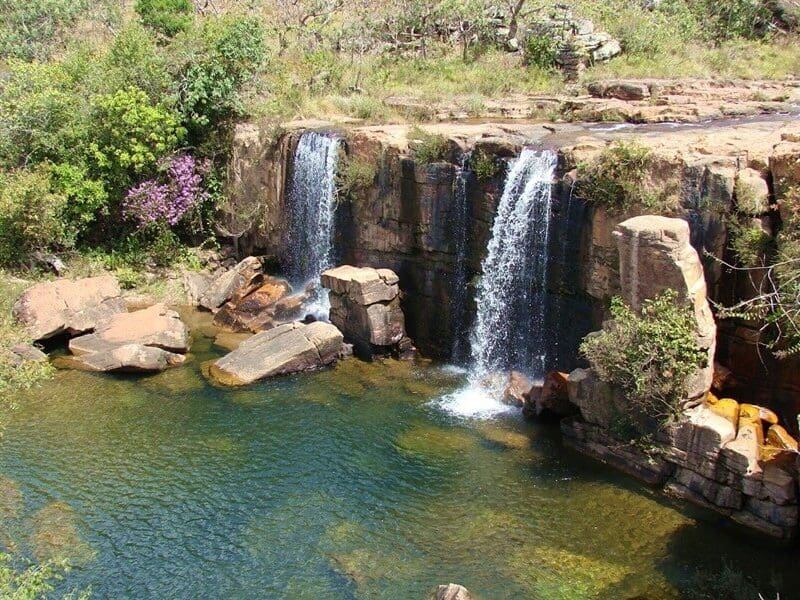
x=509 y=328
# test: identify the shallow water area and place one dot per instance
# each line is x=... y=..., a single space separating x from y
x=361 y=482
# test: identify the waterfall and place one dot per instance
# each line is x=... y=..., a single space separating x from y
x=510 y=324
x=509 y=330
x=458 y=287
x=311 y=207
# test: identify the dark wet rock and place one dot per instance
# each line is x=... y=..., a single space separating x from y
x=68 y=306
x=288 y=348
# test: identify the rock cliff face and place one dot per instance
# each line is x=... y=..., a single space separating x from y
x=409 y=219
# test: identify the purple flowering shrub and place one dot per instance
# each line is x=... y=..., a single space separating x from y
x=166 y=200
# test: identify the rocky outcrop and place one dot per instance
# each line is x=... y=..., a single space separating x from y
x=577 y=42
x=234 y=284
x=655 y=255
x=550 y=399
x=152 y=339
x=288 y=348
x=365 y=305
x=517 y=389
x=261 y=309
x=68 y=306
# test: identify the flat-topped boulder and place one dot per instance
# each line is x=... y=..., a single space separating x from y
x=260 y=309
x=365 y=305
x=288 y=348
x=151 y=339
x=68 y=306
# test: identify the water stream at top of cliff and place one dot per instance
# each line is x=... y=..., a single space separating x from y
x=509 y=330
x=311 y=204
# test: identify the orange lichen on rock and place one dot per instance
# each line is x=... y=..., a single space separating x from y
x=778 y=437
x=726 y=407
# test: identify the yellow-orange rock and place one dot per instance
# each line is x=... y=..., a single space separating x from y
x=760 y=412
x=749 y=420
x=778 y=437
x=726 y=407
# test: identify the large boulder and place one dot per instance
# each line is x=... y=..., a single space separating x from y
x=145 y=340
x=655 y=254
x=365 y=305
x=68 y=306
x=234 y=284
x=260 y=309
x=288 y=348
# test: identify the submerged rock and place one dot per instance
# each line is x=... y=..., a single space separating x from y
x=452 y=591
x=288 y=348
x=146 y=340
x=68 y=306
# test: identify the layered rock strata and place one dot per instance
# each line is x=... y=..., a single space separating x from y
x=365 y=305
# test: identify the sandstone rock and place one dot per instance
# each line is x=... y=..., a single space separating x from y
x=255 y=311
x=726 y=407
x=719 y=495
x=741 y=455
x=230 y=341
x=26 y=353
x=655 y=254
x=760 y=413
x=778 y=437
x=452 y=591
x=752 y=193
x=234 y=284
x=598 y=403
x=195 y=284
x=146 y=340
x=66 y=306
x=550 y=398
x=288 y=348
x=517 y=387
x=623 y=90
x=703 y=433
x=365 y=305
x=101 y=356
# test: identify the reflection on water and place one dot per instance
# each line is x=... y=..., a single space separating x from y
x=342 y=484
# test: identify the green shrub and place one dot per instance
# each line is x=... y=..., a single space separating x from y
x=648 y=356
x=355 y=176
x=29 y=29
x=428 y=147
x=31 y=215
x=41 y=115
x=85 y=198
x=212 y=66
x=616 y=179
x=484 y=165
x=733 y=18
x=130 y=135
x=541 y=51
x=750 y=243
x=168 y=17
x=33 y=581
x=135 y=60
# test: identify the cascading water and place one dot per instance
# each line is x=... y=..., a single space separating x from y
x=509 y=329
x=458 y=287
x=311 y=208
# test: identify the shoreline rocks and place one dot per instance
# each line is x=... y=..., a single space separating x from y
x=289 y=348
x=68 y=306
x=151 y=339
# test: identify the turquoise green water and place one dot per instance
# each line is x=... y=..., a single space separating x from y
x=346 y=484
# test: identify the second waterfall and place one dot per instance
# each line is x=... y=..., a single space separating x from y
x=509 y=331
